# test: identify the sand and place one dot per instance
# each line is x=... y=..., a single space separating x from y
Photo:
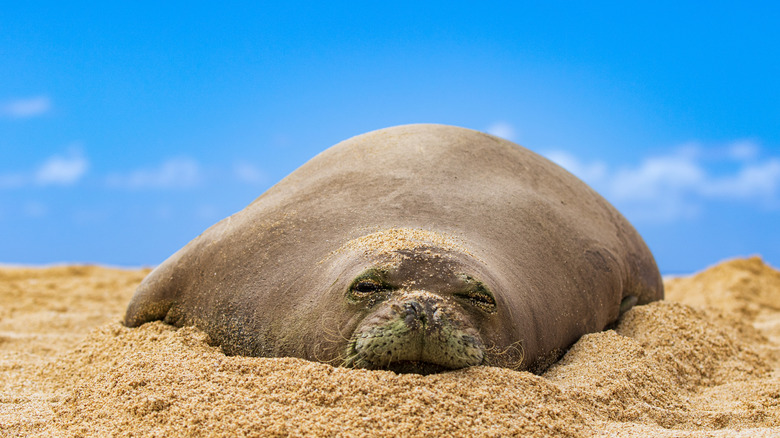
x=703 y=363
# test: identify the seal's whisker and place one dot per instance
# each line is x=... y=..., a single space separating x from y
x=341 y=334
x=334 y=361
x=333 y=331
x=327 y=322
x=352 y=361
x=505 y=356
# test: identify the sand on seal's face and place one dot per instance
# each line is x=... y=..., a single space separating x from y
x=706 y=362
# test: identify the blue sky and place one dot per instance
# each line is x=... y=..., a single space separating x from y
x=125 y=131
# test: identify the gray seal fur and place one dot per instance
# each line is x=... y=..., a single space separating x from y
x=416 y=248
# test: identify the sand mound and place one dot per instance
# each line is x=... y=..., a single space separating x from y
x=744 y=289
x=707 y=368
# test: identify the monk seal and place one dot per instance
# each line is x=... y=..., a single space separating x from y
x=418 y=248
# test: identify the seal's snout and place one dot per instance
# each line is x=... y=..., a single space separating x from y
x=415 y=313
x=416 y=332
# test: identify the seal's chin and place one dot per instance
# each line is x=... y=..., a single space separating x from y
x=416 y=367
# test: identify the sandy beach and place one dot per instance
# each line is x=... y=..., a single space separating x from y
x=703 y=363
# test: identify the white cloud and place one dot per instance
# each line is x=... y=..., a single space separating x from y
x=502 y=129
x=591 y=173
x=177 y=173
x=676 y=185
x=249 y=173
x=743 y=150
x=62 y=170
x=753 y=181
x=656 y=177
x=24 y=108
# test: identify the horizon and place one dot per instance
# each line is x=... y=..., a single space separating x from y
x=126 y=131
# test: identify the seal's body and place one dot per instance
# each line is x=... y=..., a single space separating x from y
x=415 y=248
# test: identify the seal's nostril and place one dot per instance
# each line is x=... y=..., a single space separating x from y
x=413 y=307
x=416 y=311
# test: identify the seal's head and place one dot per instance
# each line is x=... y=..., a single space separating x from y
x=420 y=306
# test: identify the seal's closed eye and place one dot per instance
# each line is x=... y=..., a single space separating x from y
x=477 y=294
x=367 y=285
